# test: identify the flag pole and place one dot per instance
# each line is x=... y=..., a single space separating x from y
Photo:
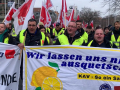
x=3 y=20
x=65 y=19
x=46 y=15
x=6 y=14
x=23 y=44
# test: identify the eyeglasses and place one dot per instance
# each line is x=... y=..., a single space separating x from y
x=71 y=26
x=32 y=25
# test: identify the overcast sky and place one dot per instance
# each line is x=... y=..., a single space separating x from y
x=79 y=3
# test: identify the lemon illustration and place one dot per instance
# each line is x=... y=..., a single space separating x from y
x=52 y=83
x=41 y=73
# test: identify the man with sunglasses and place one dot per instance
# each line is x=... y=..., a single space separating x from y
x=71 y=36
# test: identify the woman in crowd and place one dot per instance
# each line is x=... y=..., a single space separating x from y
x=48 y=37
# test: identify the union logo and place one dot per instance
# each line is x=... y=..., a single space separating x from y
x=105 y=87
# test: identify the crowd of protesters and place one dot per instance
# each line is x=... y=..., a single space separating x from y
x=39 y=35
x=74 y=34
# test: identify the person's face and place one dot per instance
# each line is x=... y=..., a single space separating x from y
x=2 y=28
x=41 y=26
x=71 y=29
x=79 y=25
x=7 y=25
x=51 y=27
x=117 y=26
x=10 y=26
x=88 y=30
x=32 y=26
x=106 y=30
x=58 y=27
x=42 y=30
x=99 y=35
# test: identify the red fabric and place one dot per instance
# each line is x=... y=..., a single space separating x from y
x=9 y=54
x=48 y=4
x=48 y=19
x=91 y=24
x=43 y=17
x=9 y=17
x=86 y=25
x=63 y=12
x=116 y=87
x=78 y=18
x=21 y=15
x=33 y=17
x=71 y=17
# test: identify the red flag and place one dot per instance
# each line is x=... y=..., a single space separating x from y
x=54 y=24
x=64 y=6
x=71 y=17
x=63 y=14
x=48 y=19
x=33 y=17
x=43 y=15
x=83 y=25
x=22 y=15
x=91 y=24
x=78 y=17
x=49 y=4
x=86 y=25
x=8 y=17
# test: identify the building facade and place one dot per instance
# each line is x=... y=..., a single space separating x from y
x=5 y=6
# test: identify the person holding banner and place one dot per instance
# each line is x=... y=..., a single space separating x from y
x=30 y=37
x=33 y=36
x=81 y=30
x=71 y=36
x=100 y=41
x=5 y=37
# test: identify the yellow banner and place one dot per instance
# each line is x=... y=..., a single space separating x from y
x=114 y=78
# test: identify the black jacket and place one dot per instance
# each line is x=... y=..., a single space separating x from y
x=32 y=39
x=71 y=39
x=90 y=37
x=105 y=44
x=81 y=31
x=115 y=32
x=51 y=33
x=11 y=40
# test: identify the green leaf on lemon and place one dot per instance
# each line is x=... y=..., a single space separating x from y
x=38 y=88
x=52 y=64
